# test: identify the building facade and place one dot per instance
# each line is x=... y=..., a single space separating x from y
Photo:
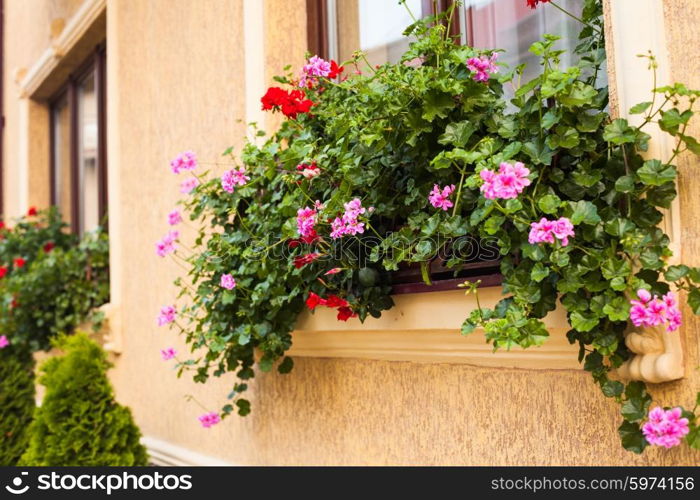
x=99 y=95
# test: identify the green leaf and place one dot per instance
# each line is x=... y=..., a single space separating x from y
x=539 y=272
x=286 y=365
x=584 y=212
x=468 y=327
x=457 y=134
x=619 y=132
x=655 y=173
x=243 y=407
x=625 y=184
x=617 y=309
x=539 y=152
x=640 y=108
x=583 y=322
x=671 y=120
x=632 y=437
x=612 y=388
x=675 y=273
x=436 y=104
x=694 y=300
x=549 y=203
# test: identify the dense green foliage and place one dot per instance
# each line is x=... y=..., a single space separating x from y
x=79 y=423
x=58 y=287
x=386 y=136
x=16 y=403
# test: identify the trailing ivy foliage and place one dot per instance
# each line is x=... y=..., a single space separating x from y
x=387 y=135
x=16 y=403
x=79 y=423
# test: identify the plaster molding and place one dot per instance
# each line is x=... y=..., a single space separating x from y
x=637 y=28
x=69 y=36
x=426 y=328
x=163 y=453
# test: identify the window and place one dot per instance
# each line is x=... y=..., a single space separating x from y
x=513 y=26
x=78 y=149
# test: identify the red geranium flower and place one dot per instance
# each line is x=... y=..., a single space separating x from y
x=345 y=313
x=335 y=70
x=291 y=103
x=31 y=212
x=533 y=3
x=50 y=245
x=314 y=300
x=293 y=243
x=20 y=262
x=2 y=225
x=335 y=301
x=302 y=260
x=311 y=237
x=3 y=271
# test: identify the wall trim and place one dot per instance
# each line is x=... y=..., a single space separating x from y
x=425 y=328
x=74 y=32
x=164 y=453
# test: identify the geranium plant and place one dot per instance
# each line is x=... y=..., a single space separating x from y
x=376 y=167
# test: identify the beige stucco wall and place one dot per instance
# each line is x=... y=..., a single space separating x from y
x=175 y=82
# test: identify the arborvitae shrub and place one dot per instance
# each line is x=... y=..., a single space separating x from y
x=79 y=422
x=16 y=403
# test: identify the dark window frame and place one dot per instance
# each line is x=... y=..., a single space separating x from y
x=2 y=107
x=95 y=63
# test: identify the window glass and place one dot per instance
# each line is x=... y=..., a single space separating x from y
x=375 y=27
x=88 y=137
x=62 y=188
x=513 y=26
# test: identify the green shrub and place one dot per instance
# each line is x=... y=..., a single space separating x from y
x=79 y=422
x=16 y=403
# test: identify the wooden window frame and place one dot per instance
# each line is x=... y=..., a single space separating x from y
x=97 y=63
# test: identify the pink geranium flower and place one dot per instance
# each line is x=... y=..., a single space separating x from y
x=167 y=315
x=306 y=220
x=546 y=230
x=168 y=354
x=167 y=244
x=174 y=218
x=439 y=198
x=209 y=419
x=232 y=178
x=186 y=160
x=188 y=185
x=483 y=67
x=312 y=70
x=349 y=223
x=228 y=282
x=653 y=311
x=507 y=183
x=3 y=341
x=665 y=427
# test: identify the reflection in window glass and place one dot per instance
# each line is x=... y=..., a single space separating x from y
x=62 y=187
x=375 y=27
x=511 y=25
x=87 y=154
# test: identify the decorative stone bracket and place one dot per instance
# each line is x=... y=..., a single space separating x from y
x=658 y=356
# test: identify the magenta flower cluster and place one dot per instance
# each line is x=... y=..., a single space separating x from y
x=233 y=178
x=654 y=311
x=187 y=160
x=209 y=419
x=228 y=282
x=439 y=198
x=306 y=221
x=665 y=427
x=168 y=354
x=349 y=223
x=313 y=69
x=167 y=315
x=174 y=218
x=3 y=341
x=167 y=244
x=483 y=67
x=188 y=185
x=507 y=183
x=545 y=231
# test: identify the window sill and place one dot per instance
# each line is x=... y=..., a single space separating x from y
x=426 y=328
